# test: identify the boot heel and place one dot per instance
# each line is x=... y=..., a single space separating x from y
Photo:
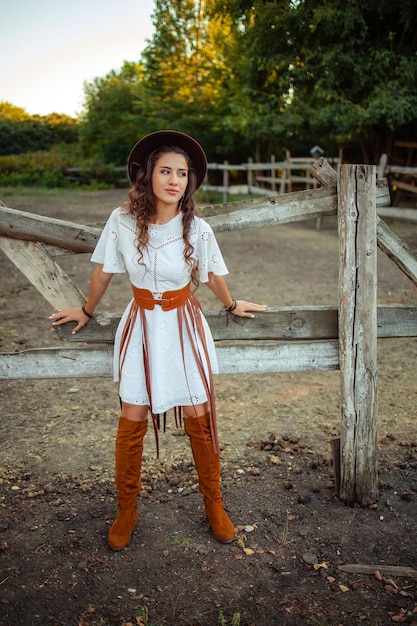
x=221 y=525
x=121 y=531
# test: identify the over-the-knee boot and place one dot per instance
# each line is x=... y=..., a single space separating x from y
x=129 y=449
x=208 y=470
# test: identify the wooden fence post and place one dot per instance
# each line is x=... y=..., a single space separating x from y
x=358 y=333
x=225 y=181
x=273 y=173
x=250 y=175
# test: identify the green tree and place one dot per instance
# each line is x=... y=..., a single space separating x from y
x=327 y=71
x=357 y=75
x=188 y=73
x=261 y=62
x=21 y=133
x=114 y=114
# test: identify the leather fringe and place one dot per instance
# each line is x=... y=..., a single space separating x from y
x=192 y=325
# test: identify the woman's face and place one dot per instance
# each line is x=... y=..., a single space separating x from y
x=169 y=179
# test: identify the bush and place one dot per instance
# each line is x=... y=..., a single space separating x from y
x=55 y=168
x=40 y=169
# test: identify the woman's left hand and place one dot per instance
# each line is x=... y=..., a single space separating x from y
x=245 y=309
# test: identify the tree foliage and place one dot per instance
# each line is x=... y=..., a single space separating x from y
x=114 y=115
x=357 y=80
x=250 y=78
x=327 y=71
x=188 y=76
x=21 y=132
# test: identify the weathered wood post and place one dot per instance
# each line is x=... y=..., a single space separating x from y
x=250 y=175
x=225 y=181
x=358 y=333
x=273 y=174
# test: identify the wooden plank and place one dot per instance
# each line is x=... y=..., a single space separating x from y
x=57 y=363
x=400 y=169
x=289 y=323
x=30 y=227
x=255 y=358
x=282 y=209
x=47 y=276
x=96 y=361
x=396 y=320
x=357 y=334
x=400 y=184
x=397 y=250
x=398 y=213
x=384 y=570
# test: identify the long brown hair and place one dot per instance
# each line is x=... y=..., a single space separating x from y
x=142 y=205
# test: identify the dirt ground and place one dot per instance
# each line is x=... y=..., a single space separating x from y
x=57 y=495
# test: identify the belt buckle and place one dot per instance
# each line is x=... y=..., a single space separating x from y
x=163 y=301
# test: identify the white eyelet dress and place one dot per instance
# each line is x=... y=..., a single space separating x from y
x=180 y=361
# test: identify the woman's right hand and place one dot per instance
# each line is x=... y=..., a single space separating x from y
x=71 y=314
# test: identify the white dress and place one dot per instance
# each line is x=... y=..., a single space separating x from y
x=175 y=379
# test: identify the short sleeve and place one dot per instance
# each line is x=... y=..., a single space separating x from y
x=108 y=248
x=209 y=256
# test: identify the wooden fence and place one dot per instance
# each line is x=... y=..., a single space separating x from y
x=291 y=174
x=293 y=338
x=254 y=178
x=265 y=179
x=401 y=178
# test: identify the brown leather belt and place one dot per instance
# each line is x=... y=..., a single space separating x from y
x=169 y=300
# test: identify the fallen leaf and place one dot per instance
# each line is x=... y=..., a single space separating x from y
x=343 y=588
x=320 y=565
x=248 y=551
x=241 y=542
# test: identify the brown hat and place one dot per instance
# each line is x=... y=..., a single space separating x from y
x=151 y=142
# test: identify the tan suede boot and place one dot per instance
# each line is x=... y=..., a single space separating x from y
x=129 y=449
x=208 y=470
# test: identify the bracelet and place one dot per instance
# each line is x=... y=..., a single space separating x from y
x=84 y=310
x=232 y=307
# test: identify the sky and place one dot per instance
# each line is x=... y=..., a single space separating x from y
x=49 y=48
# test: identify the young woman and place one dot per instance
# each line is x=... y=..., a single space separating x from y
x=164 y=353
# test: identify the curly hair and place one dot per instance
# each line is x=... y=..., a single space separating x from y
x=141 y=204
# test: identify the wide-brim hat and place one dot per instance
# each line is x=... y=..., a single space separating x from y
x=160 y=138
